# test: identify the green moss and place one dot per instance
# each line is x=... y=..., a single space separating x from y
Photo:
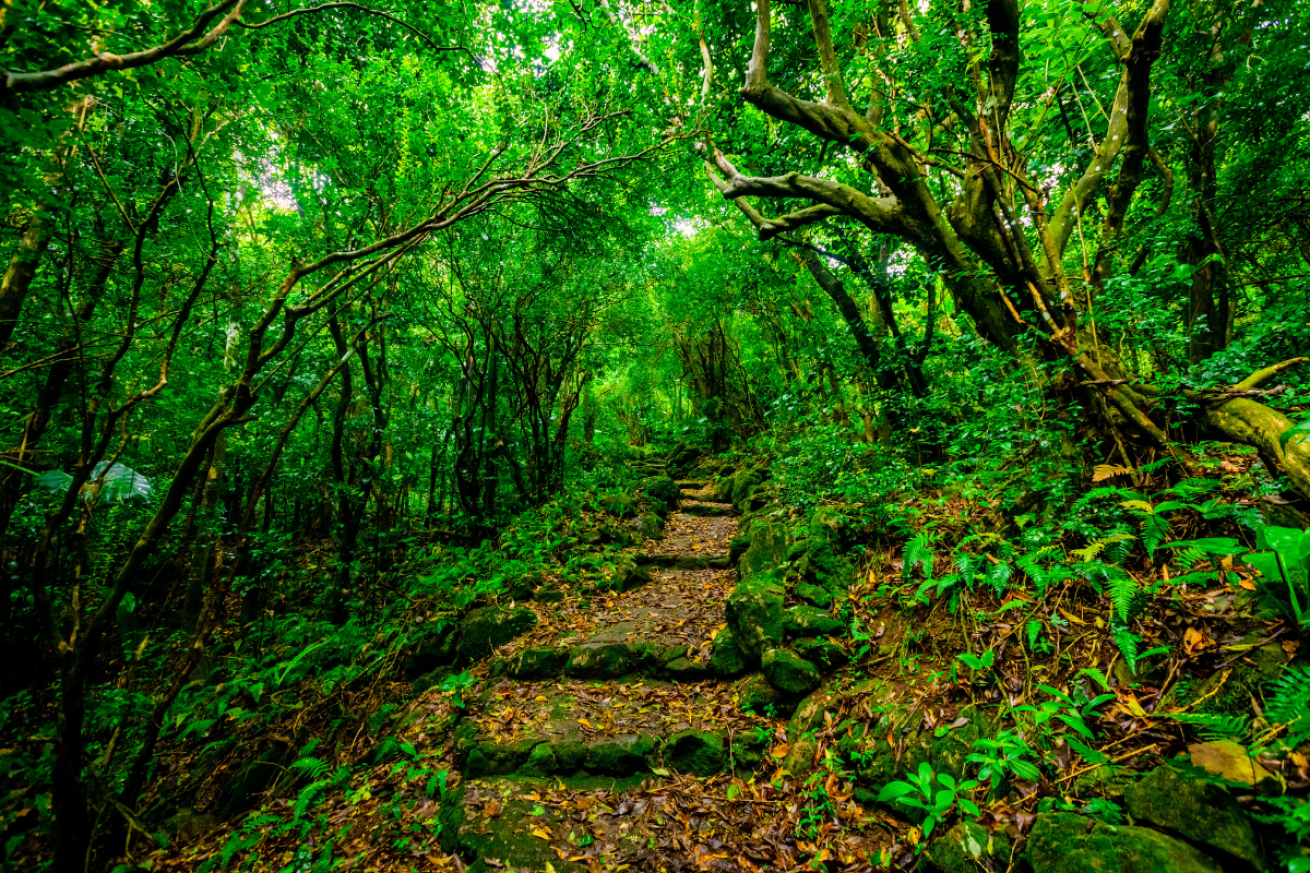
x=758 y=696
x=1200 y=811
x=621 y=756
x=601 y=660
x=965 y=847
x=728 y=660
x=537 y=664
x=809 y=621
x=767 y=550
x=755 y=613
x=826 y=654
x=492 y=759
x=661 y=493
x=813 y=594
x=1064 y=842
x=483 y=630
x=700 y=753
x=789 y=672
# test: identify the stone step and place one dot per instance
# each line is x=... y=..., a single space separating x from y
x=611 y=729
x=663 y=628
x=705 y=508
x=683 y=561
x=693 y=484
x=613 y=653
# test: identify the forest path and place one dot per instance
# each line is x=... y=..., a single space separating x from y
x=604 y=741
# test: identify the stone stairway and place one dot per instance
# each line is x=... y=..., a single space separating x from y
x=596 y=731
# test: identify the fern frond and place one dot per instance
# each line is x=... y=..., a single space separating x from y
x=1122 y=591
x=1109 y=471
x=1288 y=701
x=1091 y=551
x=918 y=552
x=1127 y=642
x=998 y=576
x=1212 y=726
x=309 y=796
x=1154 y=530
x=310 y=766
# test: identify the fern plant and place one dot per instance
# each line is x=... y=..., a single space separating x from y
x=919 y=553
x=1212 y=726
x=1288 y=703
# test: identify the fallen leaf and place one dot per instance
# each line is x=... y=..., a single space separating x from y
x=1230 y=760
x=541 y=833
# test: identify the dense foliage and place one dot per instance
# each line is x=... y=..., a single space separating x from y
x=321 y=323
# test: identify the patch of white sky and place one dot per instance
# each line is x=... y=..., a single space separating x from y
x=270 y=176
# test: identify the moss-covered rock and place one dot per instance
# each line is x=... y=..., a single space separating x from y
x=728 y=660
x=432 y=680
x=739 y=487
x=789 y=672
x=602 y=659
x=569 y=755
x=541 y=761
x=187 y=825
x=684 y=669
x=621 y=756
x=700 y=753
x=755 y=613
x=499 y=842
x=825 y=653
x=800 y=756
x=484 y=630
x=814 y=595
x=1200 y=812
x=682 y=458
x=619 y=504
x=737 y=547
x=627 y=575
x=809 y=621
x=661 y=493
x=536 y=664
x=651 y=526
x=755 y=694
x=767 y=550
x=1064 y=842
x=745 y=484
x=436 y=649
x=965 y=847
x=822 y=562
x=489 y=758
x=748 y=748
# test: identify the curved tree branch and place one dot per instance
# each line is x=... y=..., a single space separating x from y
x=191 y=41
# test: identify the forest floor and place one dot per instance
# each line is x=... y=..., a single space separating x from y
x=601 y=738
x=641 y=818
